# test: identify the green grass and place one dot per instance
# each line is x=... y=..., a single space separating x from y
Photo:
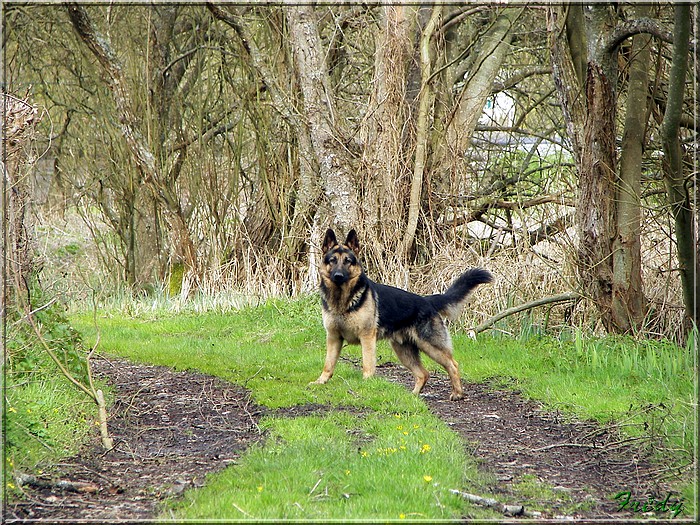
x=44 y=417
x=605 y=379
x=317 y=467
x=44 y=420
x=340 y=466
x=396 y=460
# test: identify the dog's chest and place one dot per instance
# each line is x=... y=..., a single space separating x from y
x=351 y=326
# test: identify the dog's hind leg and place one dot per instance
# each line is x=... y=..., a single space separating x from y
x=442 y=355
x=409 y=355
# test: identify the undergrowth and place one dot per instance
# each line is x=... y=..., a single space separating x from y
x=640 y=387
x=44 y=418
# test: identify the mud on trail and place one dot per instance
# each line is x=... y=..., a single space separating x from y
x=172 y=428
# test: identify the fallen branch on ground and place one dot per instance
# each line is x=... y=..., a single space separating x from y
x=63 y=484
x=600 y=446
x=568 y=296
x=507 y=510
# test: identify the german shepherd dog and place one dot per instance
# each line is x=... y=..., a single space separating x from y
x=358 y=310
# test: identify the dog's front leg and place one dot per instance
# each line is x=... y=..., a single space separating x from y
x=369 y=353
x=333 y=345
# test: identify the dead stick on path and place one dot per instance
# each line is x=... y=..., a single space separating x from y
x=602 y=446
x=507 y=510
x=568 y=296
x=63 y=484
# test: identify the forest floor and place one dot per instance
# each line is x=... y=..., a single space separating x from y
x=172 y=428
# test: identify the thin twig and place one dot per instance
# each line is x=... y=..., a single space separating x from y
x=606 y=446
x=35 y=311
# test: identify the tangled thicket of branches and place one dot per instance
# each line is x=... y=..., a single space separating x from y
x=207 y=147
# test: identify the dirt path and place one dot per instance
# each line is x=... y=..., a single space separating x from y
x=514 y=439
x=172 y=428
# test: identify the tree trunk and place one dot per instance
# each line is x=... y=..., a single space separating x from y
x=607 y=211
x=568 y=56
x=495 y=45
x=595 y=212
x=674 y=174
x=19 y=118
x=319 y=112
x=628 y=301
x=426 y=101
x=383 y=131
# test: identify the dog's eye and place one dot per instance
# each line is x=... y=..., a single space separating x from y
x=349 y=261
x=332 y=260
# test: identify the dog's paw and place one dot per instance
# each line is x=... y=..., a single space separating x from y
x=317 y=382
x=454 y=396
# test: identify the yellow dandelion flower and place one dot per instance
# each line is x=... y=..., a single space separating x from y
x=364 y=454
x=400 y=427
x=347 y=472
x=12 y=409
x=10 y=485
x=402 y=516
x=427 y=479
x=425 y=448
x=260 y=488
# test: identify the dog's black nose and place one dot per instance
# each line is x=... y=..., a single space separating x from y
x=339 y=277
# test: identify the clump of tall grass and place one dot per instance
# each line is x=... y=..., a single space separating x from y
x=661 y=361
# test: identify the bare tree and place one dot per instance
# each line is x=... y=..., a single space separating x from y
x=585 y=46
x=386 y=126
x=160 y=183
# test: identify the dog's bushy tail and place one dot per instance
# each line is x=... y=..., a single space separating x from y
x=451 y=303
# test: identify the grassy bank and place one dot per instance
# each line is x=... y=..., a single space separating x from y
x=45 y=418
x=321 y=466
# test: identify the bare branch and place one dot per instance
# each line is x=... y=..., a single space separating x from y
x=637 y=26
x=561 y=298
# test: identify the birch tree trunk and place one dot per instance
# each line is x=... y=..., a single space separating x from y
x=319 y=117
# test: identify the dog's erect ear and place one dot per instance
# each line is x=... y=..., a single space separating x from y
x=352 y=241
x=329 y=240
